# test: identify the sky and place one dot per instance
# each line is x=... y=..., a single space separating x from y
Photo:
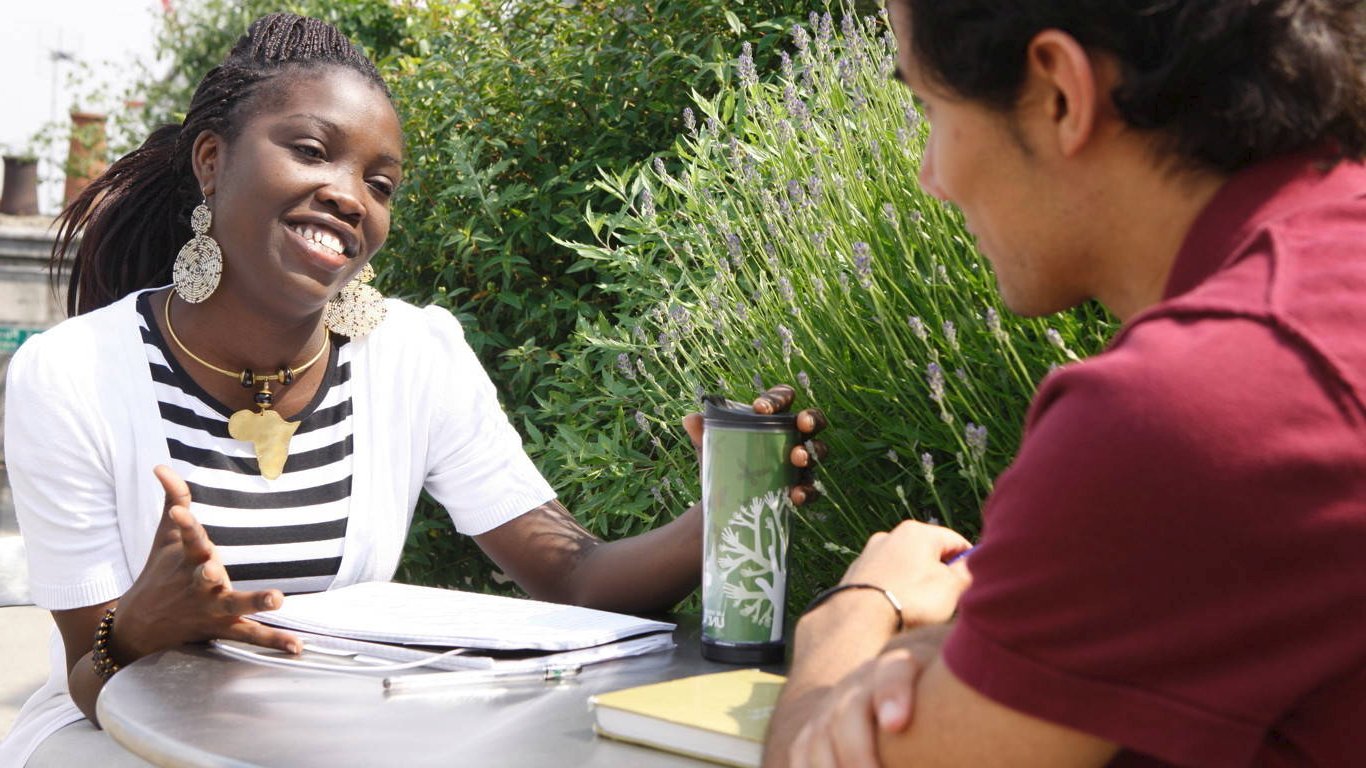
x=108 y=36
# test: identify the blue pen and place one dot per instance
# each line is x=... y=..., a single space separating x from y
x=959 y=556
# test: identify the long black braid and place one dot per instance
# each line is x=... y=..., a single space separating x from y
x=132 y=220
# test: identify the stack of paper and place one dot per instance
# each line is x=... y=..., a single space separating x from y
x=355 y=655
x=387 y=612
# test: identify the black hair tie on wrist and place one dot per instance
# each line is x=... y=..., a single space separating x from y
x=838 y=588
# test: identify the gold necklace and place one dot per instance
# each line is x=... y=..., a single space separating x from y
x=266 y=430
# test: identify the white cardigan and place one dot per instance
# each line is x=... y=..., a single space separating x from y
x=83 y=431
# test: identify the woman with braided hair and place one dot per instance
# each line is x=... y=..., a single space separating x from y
x=233 y=415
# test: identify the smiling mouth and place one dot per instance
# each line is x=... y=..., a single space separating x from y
x=320 y=236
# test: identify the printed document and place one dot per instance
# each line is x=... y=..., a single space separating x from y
x=389 y=612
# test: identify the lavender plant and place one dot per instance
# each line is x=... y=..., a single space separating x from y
x=786 y=240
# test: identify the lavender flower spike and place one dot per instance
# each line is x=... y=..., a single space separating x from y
x=647 y=203
x=993 y=319
x=733 y=244
x=976 y=438
x=918 y=327
x=935 y=379
x=951 y=333
x=863 y=264
x=749 y=77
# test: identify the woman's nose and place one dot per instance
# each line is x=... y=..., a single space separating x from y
x=344 y=195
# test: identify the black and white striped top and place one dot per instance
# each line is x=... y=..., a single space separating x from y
x=285 y=533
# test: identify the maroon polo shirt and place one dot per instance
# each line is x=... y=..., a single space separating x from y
x=1176 y=560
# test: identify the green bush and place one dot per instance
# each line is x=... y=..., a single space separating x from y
x=789 y=242
x=510 y=109
x=509 y=114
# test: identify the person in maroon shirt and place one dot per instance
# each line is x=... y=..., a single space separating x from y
x=1170 y=571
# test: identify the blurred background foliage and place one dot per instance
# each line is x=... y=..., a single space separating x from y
x=536 y=133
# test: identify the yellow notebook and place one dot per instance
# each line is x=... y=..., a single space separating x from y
x=719 y=717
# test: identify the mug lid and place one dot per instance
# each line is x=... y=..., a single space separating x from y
x=716 y=409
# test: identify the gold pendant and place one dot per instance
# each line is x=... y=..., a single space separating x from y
x=269 y=434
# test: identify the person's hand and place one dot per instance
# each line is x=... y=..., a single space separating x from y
x=806 y=455
x=183 y=595
x=878 y=695
x=909 y=561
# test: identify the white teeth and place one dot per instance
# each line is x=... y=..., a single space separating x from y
x=320 y=236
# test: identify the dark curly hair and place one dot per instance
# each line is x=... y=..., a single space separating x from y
x=132 y=220
x=1226 y=82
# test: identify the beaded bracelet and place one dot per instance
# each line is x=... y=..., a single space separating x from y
x=100 y=658
x=838 y=588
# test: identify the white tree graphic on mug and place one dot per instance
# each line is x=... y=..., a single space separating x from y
x=752 y=559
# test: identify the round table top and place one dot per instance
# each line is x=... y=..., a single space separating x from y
x=194 y=706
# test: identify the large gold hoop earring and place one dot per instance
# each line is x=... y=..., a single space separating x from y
x=357 y=309
x=199 y=265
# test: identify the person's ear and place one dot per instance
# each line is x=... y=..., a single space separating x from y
x=1063 y=78
x=206 y=158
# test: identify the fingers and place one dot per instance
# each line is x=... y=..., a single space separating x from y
x=177 y=497
x=811 y=749
x=212 y=577
x=244 y=603
x=177 y=492
x=177 y=517
x=808 y=453
x=959 y=567
x=842 y=733
x=777 y=398
x=943 y=542
x=692 y=424
x=256 y=633
x=198 y=547
x=951 y=542
x=893 y=685
x=852 y=731
x=811 y=421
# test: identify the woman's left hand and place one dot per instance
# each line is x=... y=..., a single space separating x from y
x=806 y=455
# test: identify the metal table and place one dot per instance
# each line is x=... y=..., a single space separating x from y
x=193 y=706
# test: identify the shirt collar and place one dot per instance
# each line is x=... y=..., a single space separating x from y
x=1252 y=198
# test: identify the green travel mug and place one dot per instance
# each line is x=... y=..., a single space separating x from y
x=746 y=513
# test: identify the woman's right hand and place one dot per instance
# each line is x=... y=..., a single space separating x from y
x=183 y=595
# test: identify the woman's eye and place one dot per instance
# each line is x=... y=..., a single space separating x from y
x=309 y=150
x=382 y=187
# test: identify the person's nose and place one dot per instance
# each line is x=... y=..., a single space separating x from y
x=344 y=193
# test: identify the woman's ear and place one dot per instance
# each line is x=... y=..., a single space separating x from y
x=1063 y=76
x=206 y=159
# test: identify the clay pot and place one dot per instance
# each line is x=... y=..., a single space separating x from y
x=85 y=154
x=20 y=194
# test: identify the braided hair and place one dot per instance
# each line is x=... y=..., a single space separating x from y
x=126 y=227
